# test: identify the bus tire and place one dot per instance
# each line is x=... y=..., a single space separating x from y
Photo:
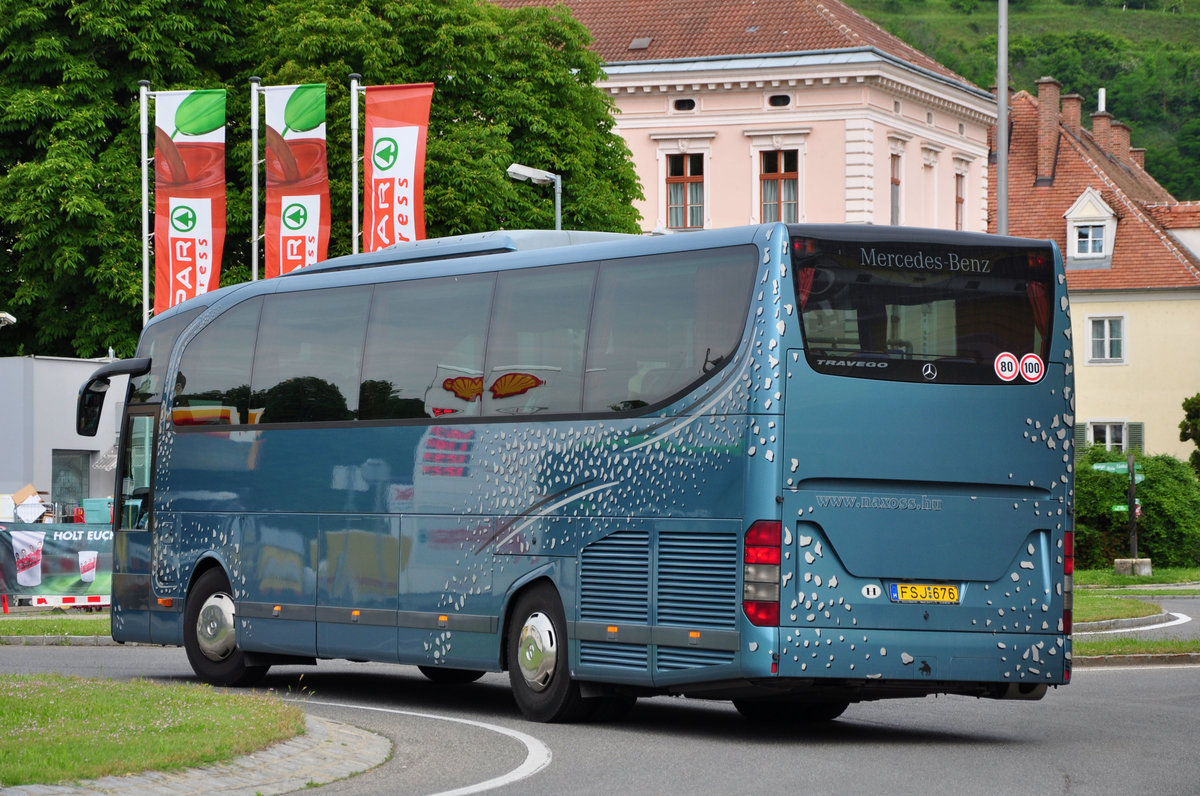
x=444 y=676
x=788 y=711
x=538 y=659
x=210 y=635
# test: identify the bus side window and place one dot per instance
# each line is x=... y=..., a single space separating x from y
x=424 y=351
x=660 y=323
x=308 y=357
x=536 y=342
x=212 y=386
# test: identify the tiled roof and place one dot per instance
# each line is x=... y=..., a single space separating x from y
x=653 y=30
x=1144 y=256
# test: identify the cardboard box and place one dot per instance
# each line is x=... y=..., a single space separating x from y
x=24 y=493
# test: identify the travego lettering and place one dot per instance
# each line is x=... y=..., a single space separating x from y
x=852 y=363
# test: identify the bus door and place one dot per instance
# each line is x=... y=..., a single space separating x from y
x=133 y=523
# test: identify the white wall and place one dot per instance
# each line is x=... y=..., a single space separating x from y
x=37 y=417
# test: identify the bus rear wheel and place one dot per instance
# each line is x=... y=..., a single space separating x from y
x=443 y=676
x=210 y=635
x=538 y=659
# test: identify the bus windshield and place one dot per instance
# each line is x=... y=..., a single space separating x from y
x=885 y=309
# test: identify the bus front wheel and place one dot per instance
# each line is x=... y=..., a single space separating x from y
x=210 y=635
x=538 y=661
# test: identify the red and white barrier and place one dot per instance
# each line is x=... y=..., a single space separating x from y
x=69 y=601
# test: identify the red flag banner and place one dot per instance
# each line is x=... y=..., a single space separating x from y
x=189 y=194
x=297 y=220
x=397 y=120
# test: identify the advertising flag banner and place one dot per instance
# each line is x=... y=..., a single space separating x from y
x=297 y=222
x=189 y=194
x=394 y=164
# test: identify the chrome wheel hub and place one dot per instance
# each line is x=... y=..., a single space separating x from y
x=537 y=651
x=215 y=632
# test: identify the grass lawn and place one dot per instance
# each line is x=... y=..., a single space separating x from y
x=55 y=728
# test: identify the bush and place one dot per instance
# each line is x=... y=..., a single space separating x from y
x=1169 y=528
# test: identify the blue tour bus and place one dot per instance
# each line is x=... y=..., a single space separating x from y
x=791 y=466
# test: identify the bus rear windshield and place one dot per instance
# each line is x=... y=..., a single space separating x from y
x=925 y=312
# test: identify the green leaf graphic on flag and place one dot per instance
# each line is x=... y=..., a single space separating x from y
x=305 y=109
x=200 y=112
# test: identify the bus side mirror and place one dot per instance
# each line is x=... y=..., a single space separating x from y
x=91 y=394
x=91 y=403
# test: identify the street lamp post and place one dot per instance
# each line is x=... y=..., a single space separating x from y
x=539 y=177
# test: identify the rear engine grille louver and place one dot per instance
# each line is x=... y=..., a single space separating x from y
x=698 y=580
x=694 y=585
x=614 y=584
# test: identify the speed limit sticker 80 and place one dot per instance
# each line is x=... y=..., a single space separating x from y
x=1029 y=367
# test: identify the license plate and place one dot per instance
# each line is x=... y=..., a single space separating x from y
x=924 y=593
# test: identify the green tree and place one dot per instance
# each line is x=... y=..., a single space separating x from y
x=70 y=195
x=510 y=86
x=1169 y=528
x=1189 y=428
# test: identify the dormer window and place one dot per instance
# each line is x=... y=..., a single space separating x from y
x=1089 y=240
x=1091 y=232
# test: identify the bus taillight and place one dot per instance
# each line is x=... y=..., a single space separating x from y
x=760 y=574
x=1068 y=580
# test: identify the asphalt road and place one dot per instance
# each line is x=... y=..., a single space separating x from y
x=1112 y=731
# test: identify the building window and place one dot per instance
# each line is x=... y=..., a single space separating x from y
x=685 y=191
x=780 y=184
x=1089 y=240
x=1091 y=232
x=960 y=201
x=1110 y=435
x=895 y=176
x=1106 y=340
x=1117 y=435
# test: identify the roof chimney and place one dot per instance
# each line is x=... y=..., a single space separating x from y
x=1102 y=130
x=1072 y=111
x=1047 y=136
x=1138 y=155
x=1119 y=136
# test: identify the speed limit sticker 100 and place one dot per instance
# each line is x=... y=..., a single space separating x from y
x=1030 y=367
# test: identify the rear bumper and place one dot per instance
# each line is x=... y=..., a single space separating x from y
x=933 y=658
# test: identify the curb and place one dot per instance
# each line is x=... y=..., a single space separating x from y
x=1120 y=624
x=64 y=641
x=1159 y=659
x=327 y=751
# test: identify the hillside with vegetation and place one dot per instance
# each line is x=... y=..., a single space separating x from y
x=1144 y=53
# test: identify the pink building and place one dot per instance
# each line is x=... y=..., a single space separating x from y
x=743 y=111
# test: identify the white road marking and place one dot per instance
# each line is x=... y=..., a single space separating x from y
x=1178 y=620
x=538 y=754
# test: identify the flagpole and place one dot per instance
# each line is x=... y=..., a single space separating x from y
x=254 y=90
x=354 y=78
x=143 y=113
x=1002 y=119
